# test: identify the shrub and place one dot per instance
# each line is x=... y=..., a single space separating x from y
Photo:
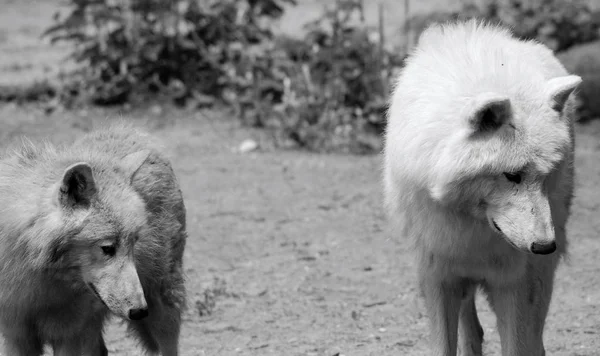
x=560 y=24
x=584 y=60
x=335 y=84
x=181 y=47
x=326 y=91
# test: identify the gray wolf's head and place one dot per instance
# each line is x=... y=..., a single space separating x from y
x=100 y=218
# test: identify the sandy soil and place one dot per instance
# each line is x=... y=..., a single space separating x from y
x=289 y=252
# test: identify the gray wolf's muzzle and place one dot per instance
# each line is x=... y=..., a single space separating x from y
x=138 y=314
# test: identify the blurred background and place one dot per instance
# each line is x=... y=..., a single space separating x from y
x=272 y=111
x=315 y=74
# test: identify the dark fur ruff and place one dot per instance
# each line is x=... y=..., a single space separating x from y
x=44 y=247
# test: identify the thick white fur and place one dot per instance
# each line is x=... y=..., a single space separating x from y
x=444 y=182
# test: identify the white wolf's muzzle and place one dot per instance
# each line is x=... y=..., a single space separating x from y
x=525 y=221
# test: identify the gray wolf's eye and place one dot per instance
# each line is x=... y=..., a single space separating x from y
x=513 y=177
x=109 y=250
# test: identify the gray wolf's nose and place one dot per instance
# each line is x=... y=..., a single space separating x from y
x=138 y=314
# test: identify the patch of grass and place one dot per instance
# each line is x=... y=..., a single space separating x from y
x=207 y=301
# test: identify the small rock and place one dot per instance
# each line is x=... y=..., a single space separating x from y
x=307 y=258
x=156 y=110
x=382 y=330
x=248 y=145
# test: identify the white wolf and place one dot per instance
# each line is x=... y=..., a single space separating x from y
x=479 y=174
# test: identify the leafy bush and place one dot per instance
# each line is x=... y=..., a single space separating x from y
x=178 y=47
x=326 y=91
x=584 y=60
x=335 y=84
x=560 y=24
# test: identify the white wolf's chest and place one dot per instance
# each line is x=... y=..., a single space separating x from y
x=464 y=248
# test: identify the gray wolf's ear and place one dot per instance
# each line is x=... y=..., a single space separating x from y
x=57 y=249
x=488 y=112
x=559 y=89
x=133 y=161
x=77 y=186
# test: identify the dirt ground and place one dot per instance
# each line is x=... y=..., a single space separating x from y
x=289 y=253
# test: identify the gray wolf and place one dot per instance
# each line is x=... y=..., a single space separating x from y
x=478 y=175
x=90 y=230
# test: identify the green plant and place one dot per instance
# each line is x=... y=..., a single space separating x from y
x=325 y=91
x=333 y=84
x=179 y=47
x=560 y=24
x=584 y=60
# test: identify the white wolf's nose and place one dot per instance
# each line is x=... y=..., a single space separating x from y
x=543 y=248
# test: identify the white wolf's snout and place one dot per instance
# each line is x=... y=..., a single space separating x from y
x=118 y=286
x=525 y=221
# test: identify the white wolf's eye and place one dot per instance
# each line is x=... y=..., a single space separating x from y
x=513 y=177
x=109 y=250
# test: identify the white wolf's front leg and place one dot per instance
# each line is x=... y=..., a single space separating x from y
x=442 y=300
x=470 y=332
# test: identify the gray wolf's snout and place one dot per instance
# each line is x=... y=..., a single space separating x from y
x=543 y=248
x=138 y=314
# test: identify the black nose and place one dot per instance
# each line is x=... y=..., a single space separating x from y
x=543 y=248
x=138 y=314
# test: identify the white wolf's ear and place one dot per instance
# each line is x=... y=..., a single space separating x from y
x=77 y=186
x=559 y=89
x=488 y=112
x=133 y=161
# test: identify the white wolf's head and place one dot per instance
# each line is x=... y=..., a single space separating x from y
x=482 y=122
x=104 y=218
x=517 y=170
